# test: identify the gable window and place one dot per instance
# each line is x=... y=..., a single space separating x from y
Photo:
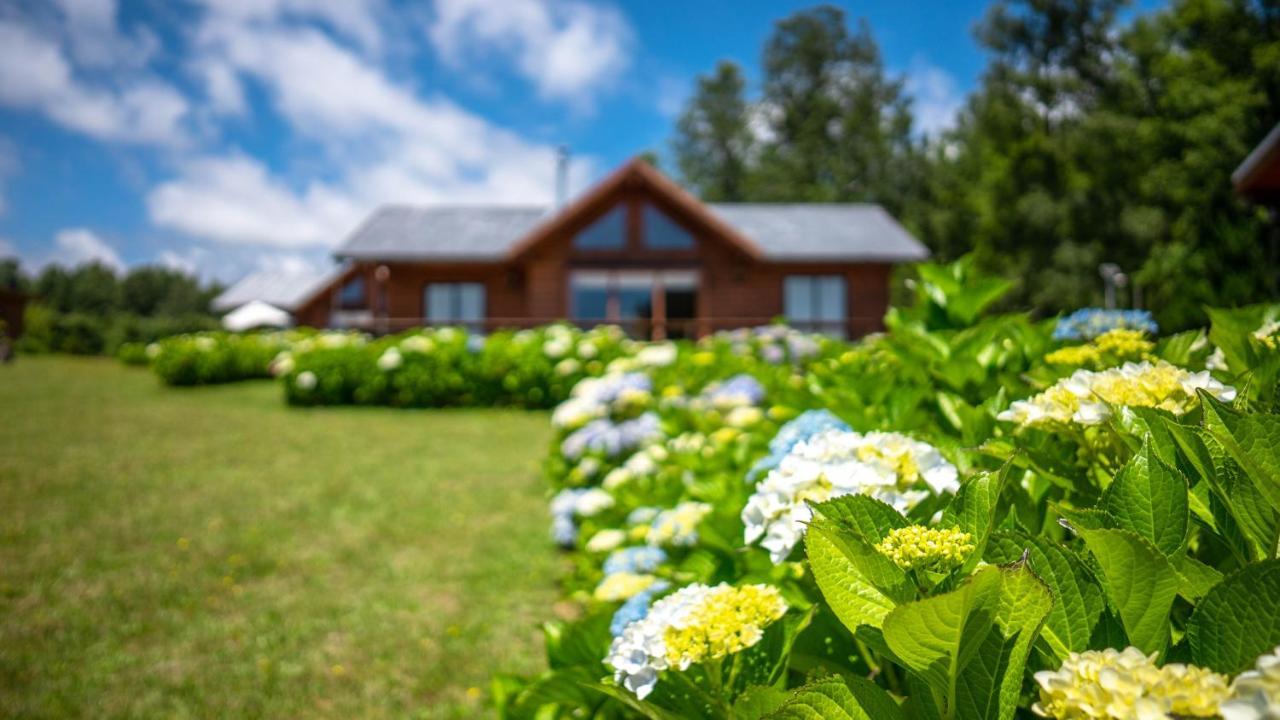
x=454 y=303
x=816 y=302
x=608 y=232
x=352 y=296
x=663 y=233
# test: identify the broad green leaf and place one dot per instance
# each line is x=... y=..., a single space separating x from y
x=970 y=645
x=580 y=643
x=1195 y=577
x=758 y=701
x=1237 y=620
x=644 y=707
x=1077 y=596
x=1149 y=497
x=836 y=698
x=860 y=585
x=991 y=683
x=765 y=662
x=872 y=519
x=974 y=508
x=1253 y=441
x=1139 y=583
x=1256 y=521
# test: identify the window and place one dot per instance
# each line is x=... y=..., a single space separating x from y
x=352 y=295
x=609 y=232
x=815 y=302
x=663 y=233
x=455 y=303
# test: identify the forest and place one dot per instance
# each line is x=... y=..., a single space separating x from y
x=1096 y=134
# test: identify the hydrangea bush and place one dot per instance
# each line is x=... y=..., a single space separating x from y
x=963 y=517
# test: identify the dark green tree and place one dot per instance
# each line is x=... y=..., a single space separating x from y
x=713 y=143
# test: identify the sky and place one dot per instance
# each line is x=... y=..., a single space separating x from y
x=225 y=136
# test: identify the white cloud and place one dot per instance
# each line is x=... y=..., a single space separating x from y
x=37 y=75
x=566 y=49
x=76 y=246
x=96 y=41
x=936 y=99
x=379 y=141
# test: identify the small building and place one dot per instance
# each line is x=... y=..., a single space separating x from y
x=287 y=290
x=636 y=250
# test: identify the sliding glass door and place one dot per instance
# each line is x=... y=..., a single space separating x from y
x=646 y=303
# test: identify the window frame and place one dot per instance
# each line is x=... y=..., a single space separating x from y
x=453 y=291
x=817 y=285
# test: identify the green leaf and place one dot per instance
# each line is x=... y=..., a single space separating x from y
x=1139 y=583
x=836 y=698
x=870 y=518
x=973 y=510
x=1256 y=521
x=1149 y=497
x=644 y=707
x=758 y=701
x=1252 y=441
x=970 y=645
x=1195 y=577
x=1078 y=599
x=1237 y=620
x=860 y=585
x=991 y=684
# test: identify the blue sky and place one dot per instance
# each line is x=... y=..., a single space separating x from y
x=221 y=136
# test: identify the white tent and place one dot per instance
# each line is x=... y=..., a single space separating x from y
x=256 y=314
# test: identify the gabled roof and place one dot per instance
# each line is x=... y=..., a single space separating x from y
x=287 y=290
x=457 y=233
x=763 y=231
x=1258 y=177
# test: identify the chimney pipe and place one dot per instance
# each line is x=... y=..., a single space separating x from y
x=562 y=176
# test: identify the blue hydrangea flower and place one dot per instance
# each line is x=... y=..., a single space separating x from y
x=1089 y=323
x=639 y=560
x=611 y=438
x=475 y=343
x=636 y=608
x=808 y=424
x=611 y=387
x=741 y=389
x=564 y=531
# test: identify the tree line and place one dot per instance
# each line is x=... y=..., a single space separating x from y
x=92 y=309
x=1089 y=138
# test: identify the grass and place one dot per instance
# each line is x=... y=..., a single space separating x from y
x=213 y=553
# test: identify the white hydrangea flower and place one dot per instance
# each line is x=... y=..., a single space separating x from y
x=742 y=417
x=417 y=344
x=593 y=501
x=556 y=347
x=587 y=350
x=1255 y=694
x=568 y=366
x=306 y=380
x=657 y=355
x=390 y=360
x=606 y=540
x=891 y=467
x=677 y=526
x=576 y=412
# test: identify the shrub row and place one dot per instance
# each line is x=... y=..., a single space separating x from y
x=963 y=517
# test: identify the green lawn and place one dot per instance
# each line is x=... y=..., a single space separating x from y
x=212 y=553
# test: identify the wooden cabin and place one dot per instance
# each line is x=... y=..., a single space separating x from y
x=636 y=250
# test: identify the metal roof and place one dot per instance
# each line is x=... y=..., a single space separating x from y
x=784 y=232
x=455 y=233
x=283 y=289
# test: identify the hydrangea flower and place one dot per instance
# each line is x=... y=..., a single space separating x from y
x=890 y=467
x=575 y=502
x=1123 y=685
x=306 y=380
x=803 y=427
x=640 y=559
x=610 y=438
x=1255 y=694
x=636 y=608
x=390 y=360
x=692 y=625
x=622 y=586
x=1086 y=396
x=679 y=525
x=1115 y=345
x=1089 y=323
x=917 y=547
x=657 y=355
x=606 y=540
x=737 y=391
x=417 y=344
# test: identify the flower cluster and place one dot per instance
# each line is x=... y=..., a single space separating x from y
x=1110 y=348
x=572 y=503
x=1086 y=397
x=692 y=625
x=677 y=526
x=622 y=586
x=916 y=547
x=592 y=398
x=887 y=466
x=736 y=392
x=1089 y=323
x=1255 y=694
x=808 y=424
x=1123 y=685
x=611 y=439
x=774 y=344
